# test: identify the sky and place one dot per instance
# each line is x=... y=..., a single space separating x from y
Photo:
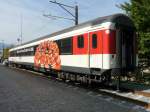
x=35 y=25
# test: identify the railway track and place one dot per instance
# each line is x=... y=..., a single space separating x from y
x=127 y=91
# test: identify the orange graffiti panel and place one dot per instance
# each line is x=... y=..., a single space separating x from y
x=47 y=55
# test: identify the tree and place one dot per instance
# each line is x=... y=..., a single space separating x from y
x=139 y=11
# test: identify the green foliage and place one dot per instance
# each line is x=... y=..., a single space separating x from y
x=144 y=45
x=139 y=11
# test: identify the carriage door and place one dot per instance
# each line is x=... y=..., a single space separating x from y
x=126 y=53
x=95 y=45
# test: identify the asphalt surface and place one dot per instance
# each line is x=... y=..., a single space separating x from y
x=22 y=91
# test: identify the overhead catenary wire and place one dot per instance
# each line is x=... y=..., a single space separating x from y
x=64 y=7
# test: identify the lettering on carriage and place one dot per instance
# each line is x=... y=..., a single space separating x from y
x=25 y=50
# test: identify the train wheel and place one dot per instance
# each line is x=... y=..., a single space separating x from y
x=89 y=80
x=59 y=76
x=105 y=78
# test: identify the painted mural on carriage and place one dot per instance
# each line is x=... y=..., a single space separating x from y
x=47 y=55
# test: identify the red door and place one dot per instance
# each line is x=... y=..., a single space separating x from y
x=96 y=49
x=80 y=44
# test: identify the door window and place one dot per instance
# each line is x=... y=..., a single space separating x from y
x=80 y=41
x=94 y=41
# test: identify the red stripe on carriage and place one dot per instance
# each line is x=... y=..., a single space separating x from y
x=106 y=43
x=109 y=42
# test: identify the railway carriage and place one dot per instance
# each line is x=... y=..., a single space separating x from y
x=96 y=49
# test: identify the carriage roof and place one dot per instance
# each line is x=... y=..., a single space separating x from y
x=116 y=18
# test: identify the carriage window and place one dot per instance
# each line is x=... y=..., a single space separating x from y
x=80 y=41
x=94 y=41
x=65 y=45
x=11 y=54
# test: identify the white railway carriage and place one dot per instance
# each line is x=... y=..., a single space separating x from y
x=94 y=48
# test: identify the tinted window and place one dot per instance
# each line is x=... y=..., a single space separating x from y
x=94 y=41
x=13 y=53
x=29 y=51
x=80 y=41
x=65 y=45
